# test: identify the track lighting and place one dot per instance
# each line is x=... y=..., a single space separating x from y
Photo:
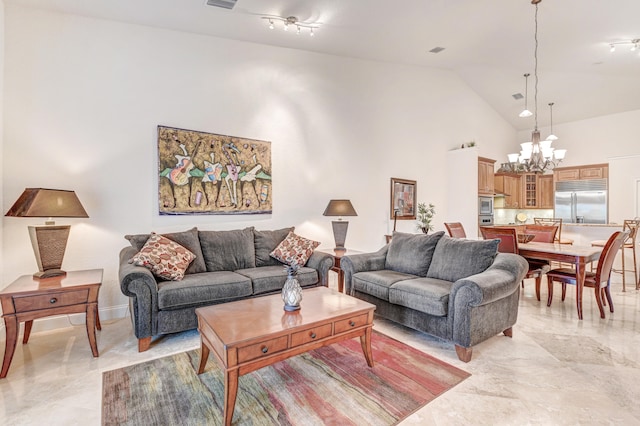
x=635 y=44
x=525 y=112
x=289 y=21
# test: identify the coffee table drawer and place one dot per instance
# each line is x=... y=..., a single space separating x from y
x=310 y=335
x=262 y=349
x=350 y=323
x=53 y=300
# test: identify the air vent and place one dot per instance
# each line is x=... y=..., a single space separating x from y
x=517 y=96
x=227 y=4
x=437 y=49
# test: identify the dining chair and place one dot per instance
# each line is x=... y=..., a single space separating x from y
x=600 y=281
x=553 y=221
x=542 y=233
x=455 y=230
x=508 y=237
x=630 y=225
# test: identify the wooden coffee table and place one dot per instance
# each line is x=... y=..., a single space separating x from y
x=250 y=334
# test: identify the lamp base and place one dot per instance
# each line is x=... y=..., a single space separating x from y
x=49 y=273
x=339 y=233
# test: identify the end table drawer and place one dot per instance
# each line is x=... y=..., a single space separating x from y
x=310 y=335
x=53 y=300
x=350 y=323
x=262 y=349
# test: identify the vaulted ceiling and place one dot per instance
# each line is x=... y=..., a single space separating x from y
x=488 y=43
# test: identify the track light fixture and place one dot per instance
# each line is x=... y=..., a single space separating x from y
x=290 y=21
x=635 y=44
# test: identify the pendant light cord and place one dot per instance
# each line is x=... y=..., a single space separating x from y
x=535 y=70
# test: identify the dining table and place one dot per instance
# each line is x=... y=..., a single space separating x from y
x=580 y=256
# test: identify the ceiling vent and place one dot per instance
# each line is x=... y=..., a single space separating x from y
x=227 y=4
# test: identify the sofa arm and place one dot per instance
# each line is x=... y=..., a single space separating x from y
x=498 y=281
x=354 y=263
x=321 y=262
x=141 y=286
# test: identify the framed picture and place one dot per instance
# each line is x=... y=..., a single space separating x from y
x=403 y=199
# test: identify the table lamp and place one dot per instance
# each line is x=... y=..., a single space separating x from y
x=340 y=208
x=50 y=241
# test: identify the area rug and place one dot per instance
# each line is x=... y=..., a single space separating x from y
x=328 y=386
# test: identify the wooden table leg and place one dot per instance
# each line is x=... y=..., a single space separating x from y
x=92 y=309
x=204 y=355
x=365 y=342
x=230 y=393
x=27 y=331
x=11 y=326
x=340 y=280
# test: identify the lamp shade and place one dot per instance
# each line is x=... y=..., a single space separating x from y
x=340 y=208
x=41 y=202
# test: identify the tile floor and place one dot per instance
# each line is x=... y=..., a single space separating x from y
x=556 y=369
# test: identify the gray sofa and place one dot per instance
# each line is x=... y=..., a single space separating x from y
x=460 y=290
x=229 y=265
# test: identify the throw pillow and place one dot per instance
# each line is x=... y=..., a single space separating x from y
x=456 y=258
x=294 y=249
x=411 y=253
x=164 y=257
x=188 y=239
x=228 y=250
x=266 y=242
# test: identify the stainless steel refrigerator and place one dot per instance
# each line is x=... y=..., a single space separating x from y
x=581 y=201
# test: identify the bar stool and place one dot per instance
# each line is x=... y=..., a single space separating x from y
x=630 y=225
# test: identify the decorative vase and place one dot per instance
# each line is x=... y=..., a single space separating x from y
x=292 y=292
x=424 y=229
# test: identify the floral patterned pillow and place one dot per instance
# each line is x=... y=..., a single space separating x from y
x=294 y=249
x=165 y=258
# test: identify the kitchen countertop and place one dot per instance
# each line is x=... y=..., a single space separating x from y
x=603 y=225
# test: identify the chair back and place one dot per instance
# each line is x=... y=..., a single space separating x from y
x=551 y=221
x=507 y=236
x=455 y=230
x=543 y=233
x=608 y=255
x=631 y=225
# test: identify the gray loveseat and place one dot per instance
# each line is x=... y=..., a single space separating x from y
x=460 y=290
x=229 y=265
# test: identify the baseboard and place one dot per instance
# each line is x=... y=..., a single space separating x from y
x=62 y=321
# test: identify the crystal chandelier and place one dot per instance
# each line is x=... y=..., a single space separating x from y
x=536 y=156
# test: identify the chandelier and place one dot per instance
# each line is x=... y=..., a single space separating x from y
x=536 y=156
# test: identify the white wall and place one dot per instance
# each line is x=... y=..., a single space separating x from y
x=83 y=98
x=2 y=26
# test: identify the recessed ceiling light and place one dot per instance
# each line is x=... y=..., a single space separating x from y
x=437 y=49
x=517 y=96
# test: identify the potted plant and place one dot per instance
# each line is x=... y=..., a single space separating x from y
x=425 y=214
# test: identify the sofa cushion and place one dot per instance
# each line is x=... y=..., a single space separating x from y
x=187 y=239
x=412 y=253
x=294 y=249
x=165 y=258
x=377 y=283
x=268 y=279
x=228 y=250
x=428 y=295
x=265 y=242
x=203 y=289
x=456 y=258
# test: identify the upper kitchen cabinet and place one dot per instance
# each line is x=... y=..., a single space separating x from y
x=537 y=191
x=591 y=171
x=508 y=186
x=485 y=176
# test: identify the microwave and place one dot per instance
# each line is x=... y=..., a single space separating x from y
x=485 y=206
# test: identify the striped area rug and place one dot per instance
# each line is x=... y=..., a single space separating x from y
x=328 y=386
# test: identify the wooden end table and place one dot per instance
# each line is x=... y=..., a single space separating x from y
x=249 y=334
x=337 y=256
x=29 y=298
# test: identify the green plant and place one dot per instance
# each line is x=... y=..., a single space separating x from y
x=425 y=214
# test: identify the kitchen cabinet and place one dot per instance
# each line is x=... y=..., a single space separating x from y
x=591 y=171
x=509 y=185
x=546 y=191
x=537 y=191
x=485 y=176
